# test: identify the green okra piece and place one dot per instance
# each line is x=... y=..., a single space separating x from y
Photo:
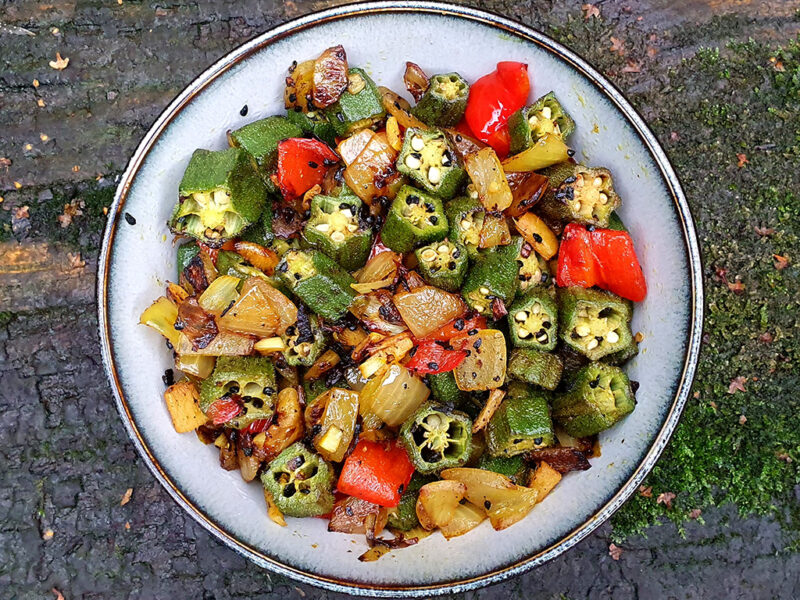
x=436 y=438
x=261 y=138
x=186 y=252
x=250 y=379
x=600 y=396
x=318 y=281
x=535 y=367
x=358 y=107
x=444 y=102
x=314 y=388
x=313 y=122
x=493 y=275
x=444 y=389
x=533 y=269
x=443 y=264
x=581 y=194
x=528 y=125
x=533 y=320
x=233 y=264
x=305 y=340
x=300 y=482
x=415 y=218
x=465 y=217
x=615 y=222
x=404 y=515
x=260 y=232
x=513 y=467
x=521 y=423
x=219 y=195
x=429 y=160
x=336 y=229
x=593 y=322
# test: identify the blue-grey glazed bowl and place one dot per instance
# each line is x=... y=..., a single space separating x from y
x=138 y=259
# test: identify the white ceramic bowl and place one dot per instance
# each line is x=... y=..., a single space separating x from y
x=138 y=259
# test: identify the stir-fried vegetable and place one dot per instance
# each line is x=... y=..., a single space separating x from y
x=427 y=308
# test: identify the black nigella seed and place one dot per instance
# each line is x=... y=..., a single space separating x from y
x=169 y=377
x=412 y=200
x=129 y=218
x=538 y=238
x=546 y=324
x=472 y=332
x=329 y=162
x=487 y=505
x=292 y=97
x=456 y=253
x=297 y=276
x=595 y=382
x=433 y=365
x=570 y=179
x=477 y=344
x=570 y=152
x=312 y=164
x=459 y=324
x=282 y=267
x=169 y=345
x=244 y=110
x=451 y=265
x=430 y=207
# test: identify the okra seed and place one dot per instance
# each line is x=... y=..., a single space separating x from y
x=417 y=143
x=433 y=421
x=480 y=308
x=412 y=162
x=484 y=291
x=536 y=308
x=577 y=206
x=451 y=265
x=603 y=198
x=428 y=254
x=582 y=330
x=323 y=227
x=352 y=227
x=612 y=337
x=547 y=113
x=521 y=316
x=434 y=175
x=444 y=248
x=542 y=338
x=466 y=225
x=579 y=181
x=347 y=213
x=592 y=345
x=597 y=181
x=337 y=236
x=445 y=160
x=523 y=333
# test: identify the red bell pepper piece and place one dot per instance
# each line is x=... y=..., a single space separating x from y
x=377 y=472
x=493 y=99
x=256 y=426
x=302 y=164
x=432 y=357
x=603 y=257
x=223 y=410
x=456 y=328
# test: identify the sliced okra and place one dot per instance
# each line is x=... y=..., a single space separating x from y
x=533 y=320
x=522 y=423
x=493 y=275
x=335 y=228
x=533 y=269
x=513 y=467
x=250 y=380
x=444 y=102
x=429 y=160
x=465 y=216
x=318 y=281
x=437 y=438
x=313 y=122
x=261 y=138
x=300 y=482
x=415 y=218
x=443 y=264
x=581 y=194
x=594 y=322
x=535 y=367
x=529 y=125
x=305 y=340
x=358 y=107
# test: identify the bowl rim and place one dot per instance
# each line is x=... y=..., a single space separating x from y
x=689 y=239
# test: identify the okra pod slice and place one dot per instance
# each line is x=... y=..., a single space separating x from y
x=404 y=515
x=436 y=438
x=444 y=389
x=304 y=340
x=429 y=160
x=301 y=482
x=358 y=107
x=315 y=123
x=579 y=193
x=624 y=355
x=260 y=232
x=600 y=396
x=444 y=102
x=336 y=229
x=318 y=281
x=415 y=218
x=513 y=467
x=465 y=216
x=535 y=367
x=493 y=275
x=186 y=252
x=522 y=423
x=260 y=139
x=594 y=322
x=530 y=124
x=251 y=379
x=533 y=269
x=443 y=264
x=220 y=194
x=533 y=320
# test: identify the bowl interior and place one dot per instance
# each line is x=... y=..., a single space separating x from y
x=142 y=259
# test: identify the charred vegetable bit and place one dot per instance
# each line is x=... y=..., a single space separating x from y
x=593 y=322
x=528 y=125
x=249 y=382
x=587 y=196
x=444 y=102
x=335 y=228
x=465 y=216
x=533 y=320
x=318 y=281
x=186 y=252
x=443 y=264
x=535 y=367
x=599 y=397
x=304 y=340
x=437 y=438
x=358 y=107
x=533 y=269
x=493 y=275
x=522 y=423
x=300 y=482
x=428 y=159
x=220 y=194
x=415 y=218
x=404 y=515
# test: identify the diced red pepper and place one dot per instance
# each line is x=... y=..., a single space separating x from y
x=223 y=410
x=302 y=164
x=456 y=328
x=493 y=99
x=256 y=426
x=378 y=247
x=377 y=472
x=432 y=357
x=603 y=257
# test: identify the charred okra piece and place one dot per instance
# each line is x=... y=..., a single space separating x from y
x=415 y=218
x=404 y=515
x=581 y=194
x=493 y=275
x=260 y=232
x=318 y=281
x=428 y=159
x=300 y=482
x=220 y=194
x=522 y=423
x=513 y=467
x=533 y=320
x=250 y=380
x=443 y=264
x=315 y=123
x=465 y=216
x=186 y=252
x=600 y=396
x=334 y=228
x=444 y=389
x=535 y=367
x=444 y=102
x=358 y=107
x=304 y=340
x=436 y=438
x=261 y=138
x=593 y=322
x=529 y=125
x=533 y=269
